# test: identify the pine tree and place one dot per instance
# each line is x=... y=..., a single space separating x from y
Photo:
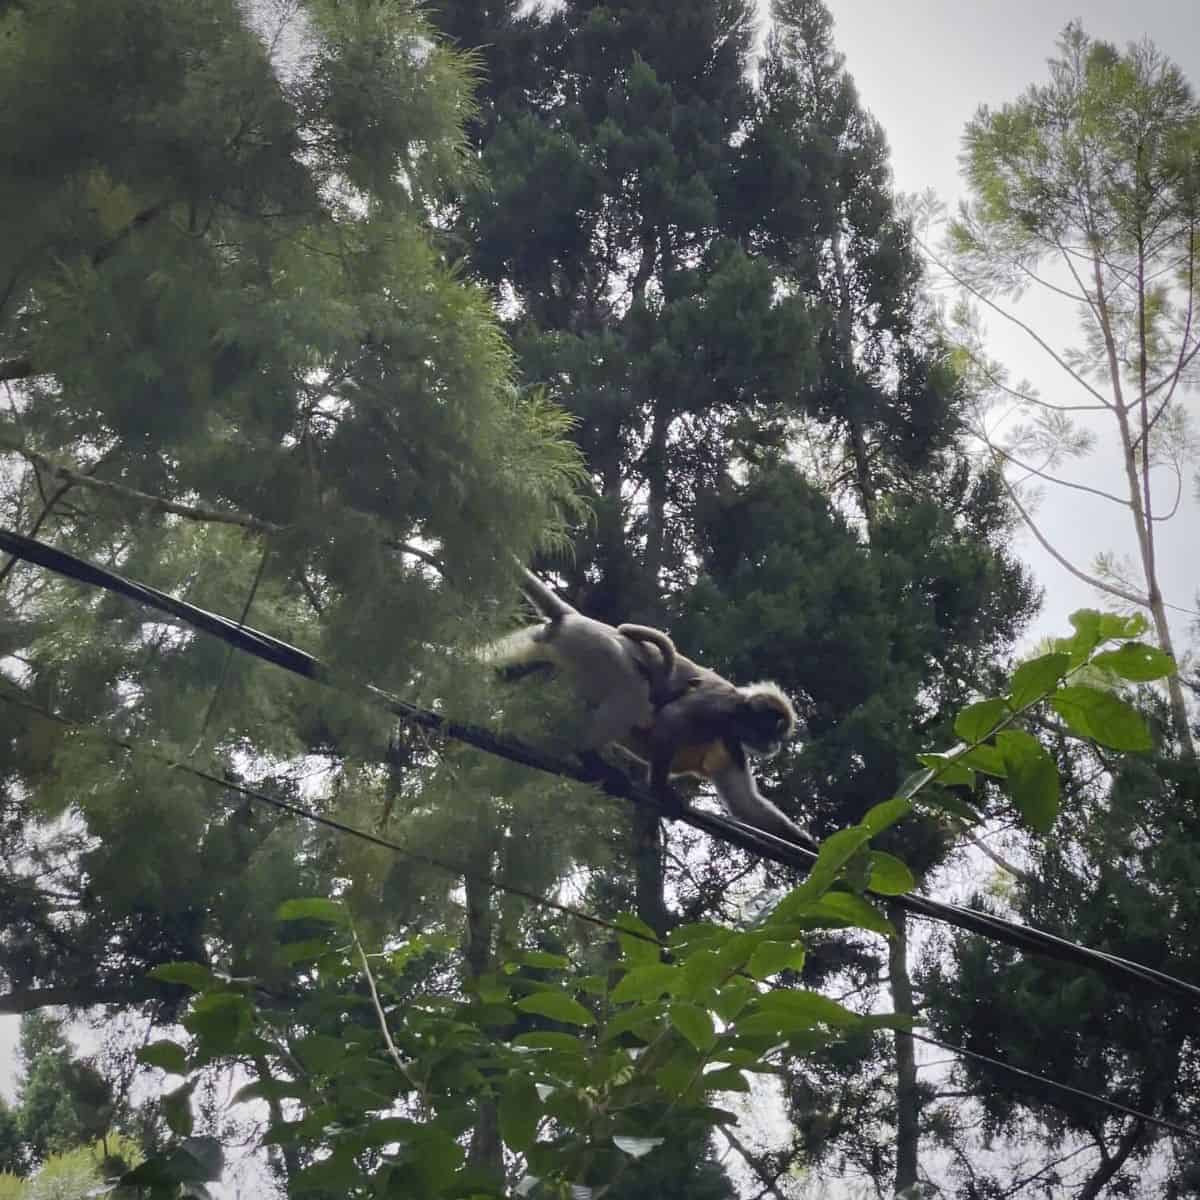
x=243 y=370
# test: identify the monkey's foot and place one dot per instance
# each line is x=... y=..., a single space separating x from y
x=603 y=772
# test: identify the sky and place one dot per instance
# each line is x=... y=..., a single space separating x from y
x=923 y=67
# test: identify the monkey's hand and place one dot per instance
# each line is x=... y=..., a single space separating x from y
x=672 y=805
x=604 y=772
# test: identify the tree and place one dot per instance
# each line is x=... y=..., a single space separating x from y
x=718 y=275
x=240 y=367
x=1088 y=188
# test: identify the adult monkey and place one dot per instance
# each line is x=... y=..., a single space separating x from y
x=660 y=707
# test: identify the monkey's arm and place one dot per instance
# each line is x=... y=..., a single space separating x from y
x=736 y=787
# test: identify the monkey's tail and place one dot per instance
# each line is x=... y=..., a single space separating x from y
x=547 y=602
x=520 y=646
x=659 y=673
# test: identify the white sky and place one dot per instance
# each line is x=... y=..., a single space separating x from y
x=923 y=67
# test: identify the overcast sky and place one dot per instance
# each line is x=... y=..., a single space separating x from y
x=923 y=67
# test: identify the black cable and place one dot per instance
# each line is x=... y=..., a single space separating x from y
x=1115 y=1105
x=307 y=814
x=1023 y=937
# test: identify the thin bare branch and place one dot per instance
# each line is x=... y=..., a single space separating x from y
x=192 y=512
x=769 y=1187
x=1000 y=861
x=15 y=368
x=1078 y=487
x=1025 y=328
x=401 y=1065
x=1110 y=589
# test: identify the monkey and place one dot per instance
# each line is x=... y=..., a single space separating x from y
x=667 y=712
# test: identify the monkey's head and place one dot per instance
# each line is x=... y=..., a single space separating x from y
x=766 y=718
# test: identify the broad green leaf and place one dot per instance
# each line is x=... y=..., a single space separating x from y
x=702 y=969
x=219 y=1018
x=336 y=1175
x=680 y=1074
x=772 y=957
x=1136 y=662
x=298 y=952
x=985 y=759
x=191 y=975
x=803 y=1000
x=949 y=772
x=169 y=1056
x=889 y=876
x=1032 y=777
x=736 y=952
x=941 y=798
x=636 y=1147
x=312 y=908
x=436 y=1157
x=883 y=816
x=274 y=1089
x=836 y=850
x=1115 y=625
x=648 y=983
x=1087 y=628
x=694 y=1023
x=545 y=1039
x=903 y=1021
x=782 y=1013
x=913 y=784
x=699 y=934
x=322 y=1054
x=384 y=1131
x=726 y=1079
x=1037 y=678
x=977 y=721
x=733 y=998
x=642 y=1020
x=847 y=908
x=541 y=960
x=639 y=944
x=520 y=1109
x=1103 y=717
x=177 y=1109
x=558 y=1007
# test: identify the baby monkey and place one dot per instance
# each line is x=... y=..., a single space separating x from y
x=668 y=712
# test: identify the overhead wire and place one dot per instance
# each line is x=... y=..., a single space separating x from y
x=301 y=812
x=1026 y=938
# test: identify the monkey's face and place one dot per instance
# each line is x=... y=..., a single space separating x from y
x=764 y=724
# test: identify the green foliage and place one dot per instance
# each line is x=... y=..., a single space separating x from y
x=581 y=1098
x=583 y=1070
x=225 y=297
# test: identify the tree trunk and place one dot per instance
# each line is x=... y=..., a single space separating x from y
x=486 y=1151
x=907 y=1100
x=1110 y=1164
x=1142 y=517
x=648 y=870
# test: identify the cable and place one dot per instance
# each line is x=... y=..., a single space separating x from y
x=1115 y=1105
x=307 y=814
x=1023 y=937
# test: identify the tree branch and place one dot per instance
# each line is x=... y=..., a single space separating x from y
x=15 y=368
x=192 y=512
x=1028 y=330
x=24 y=1000
x=1079 y=487
x=1110 y=589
